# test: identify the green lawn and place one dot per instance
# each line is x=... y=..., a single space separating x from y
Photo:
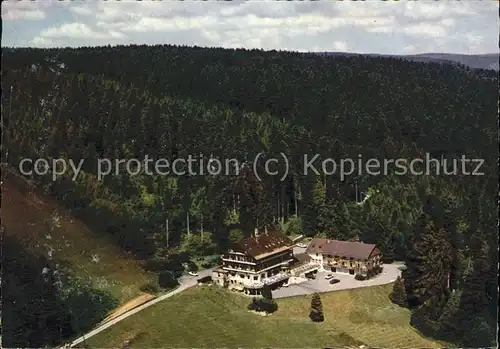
x=211 y=317
x=75 y=247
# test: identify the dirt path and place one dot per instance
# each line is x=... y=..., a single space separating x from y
x=134 y=303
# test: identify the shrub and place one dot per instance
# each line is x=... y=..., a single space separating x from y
x=253 y=305
x=316 y=313
x=263 y=305
x=360 y=277
x=191 y=266
x=268 y=305
x=266 y=292
x=177 y=271
x=150 y=287
x=398 y=294
x=205 y=280
x=377 y=270
x=166 y=279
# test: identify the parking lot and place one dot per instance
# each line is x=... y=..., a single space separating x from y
x=321 y=285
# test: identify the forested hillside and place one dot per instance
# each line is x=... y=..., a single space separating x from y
x=481 y=61
x=170 y=102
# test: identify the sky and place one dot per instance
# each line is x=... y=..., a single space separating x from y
x=384 y=27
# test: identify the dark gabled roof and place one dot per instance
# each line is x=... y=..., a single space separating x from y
x=263 y=244
x=346 y=249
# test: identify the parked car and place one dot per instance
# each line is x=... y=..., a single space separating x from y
x=334 y=281
x=329 y=276
x=192 y=273
x=301 y=245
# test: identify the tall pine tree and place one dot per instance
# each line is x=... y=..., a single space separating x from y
x=398 y=294
x=316 y=313
x=314 y=202
x=428 y=264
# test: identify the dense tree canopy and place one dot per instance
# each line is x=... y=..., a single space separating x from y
x=170 y=102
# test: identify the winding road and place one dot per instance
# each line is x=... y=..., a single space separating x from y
x=389 y=275
x=185 y=283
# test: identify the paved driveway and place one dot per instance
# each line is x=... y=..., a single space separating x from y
x=321 y=285
x=185 y=282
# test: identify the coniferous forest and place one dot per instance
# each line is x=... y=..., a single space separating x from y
x=168 y=102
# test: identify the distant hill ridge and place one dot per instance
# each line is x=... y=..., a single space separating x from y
x=481 y=61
